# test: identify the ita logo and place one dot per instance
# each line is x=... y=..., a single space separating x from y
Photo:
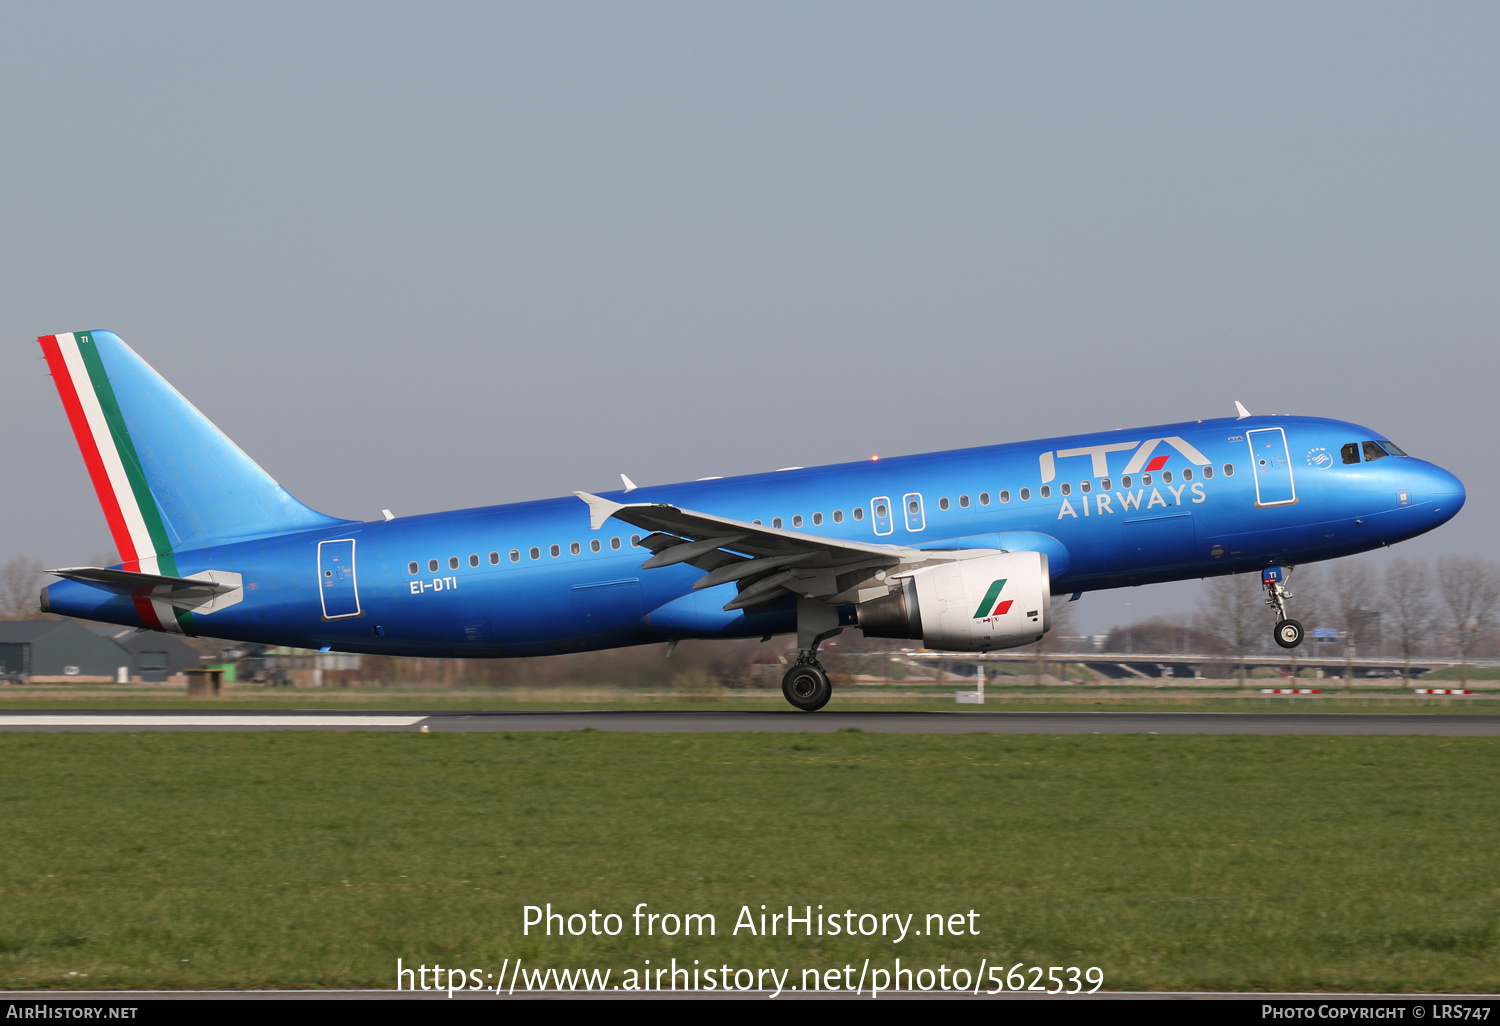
x=1319 y=457
x=988 y=607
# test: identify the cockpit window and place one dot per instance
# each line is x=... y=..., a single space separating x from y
x=1350 y=452
x=1373 y=452
x=1392 y=448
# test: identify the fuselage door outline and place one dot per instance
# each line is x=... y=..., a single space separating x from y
x=1270 y=462
x=916 y=514
x=338 y=589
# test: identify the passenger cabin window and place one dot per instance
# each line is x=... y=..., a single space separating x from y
x=776 y=522
x=859 y=512
x=1066 y=488
x=555 y=551
x=984 y=498
x=838 y=516
x=1025 y=494
x=1350 y=452
x=1229 y=470
x=412 y=567
x=494 y=558
x=963 y=501
x=515 y=555
x=614 y=543
x=1374 y=452
x=575 y=548
x=452 y=562
x=1166 y=477
x=1187 y=474
x=474 y=559
x=536 y=553
x=1208 y=473
x=1046 y=492
x=1125 y=481
x=1004 y=497
x=756 y=523
x=880 y=510
x=817 y=519
x=432 y=566
x=594 y=545
x=1145 y=480
x=797 y=520
x=1085 y=487
x=1104 y=483
x=635 y=540
x=943 y=502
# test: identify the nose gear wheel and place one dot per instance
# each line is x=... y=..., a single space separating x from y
x=1288 y=633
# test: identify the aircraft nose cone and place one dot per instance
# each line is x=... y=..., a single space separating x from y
x=1446 y=492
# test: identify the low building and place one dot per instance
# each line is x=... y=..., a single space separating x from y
x=154 y=655
x=302 y=668
x=58 y=650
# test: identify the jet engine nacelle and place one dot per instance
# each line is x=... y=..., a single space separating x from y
x=969 y=605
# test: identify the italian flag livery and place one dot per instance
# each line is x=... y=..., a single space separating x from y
x=135 y=520
x=987 y=606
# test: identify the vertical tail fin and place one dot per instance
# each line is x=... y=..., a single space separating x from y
x=167 y=478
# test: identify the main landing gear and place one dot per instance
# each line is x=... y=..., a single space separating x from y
x=1287 y=632
x=806 y=684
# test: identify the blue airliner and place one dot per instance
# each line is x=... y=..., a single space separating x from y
x=962 y=550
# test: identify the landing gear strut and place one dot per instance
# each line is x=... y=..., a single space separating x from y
x=806 y=684
x=1287 y=632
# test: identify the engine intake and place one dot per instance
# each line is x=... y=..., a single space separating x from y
x=990 y=602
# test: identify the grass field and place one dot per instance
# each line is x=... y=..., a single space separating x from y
x=297 y=860
x=892 y=697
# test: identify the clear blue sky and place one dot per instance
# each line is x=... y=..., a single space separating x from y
x=439 y=255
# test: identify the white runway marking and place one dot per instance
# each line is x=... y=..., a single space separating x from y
x=147 y=720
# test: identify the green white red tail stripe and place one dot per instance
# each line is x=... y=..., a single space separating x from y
x=135 y=522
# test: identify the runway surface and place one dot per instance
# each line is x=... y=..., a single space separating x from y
x=675 y=722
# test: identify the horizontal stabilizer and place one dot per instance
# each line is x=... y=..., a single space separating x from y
x=125 y=580
x=201 y=593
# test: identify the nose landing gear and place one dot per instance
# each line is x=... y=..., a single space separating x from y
x=1287 y=632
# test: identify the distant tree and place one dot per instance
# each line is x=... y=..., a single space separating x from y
x=1406 y=595
x=1349 y=588
x=20 y=589
x=1061 y=626
x=1309 y=603
x=1234 y=613
x=1470 y=590
x=1159 y=634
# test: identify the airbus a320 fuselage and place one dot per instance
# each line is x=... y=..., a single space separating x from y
x=961 y=550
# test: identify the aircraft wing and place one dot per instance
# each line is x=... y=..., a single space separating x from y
x=764 y=561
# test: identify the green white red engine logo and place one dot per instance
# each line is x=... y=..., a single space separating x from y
x=988 y=607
